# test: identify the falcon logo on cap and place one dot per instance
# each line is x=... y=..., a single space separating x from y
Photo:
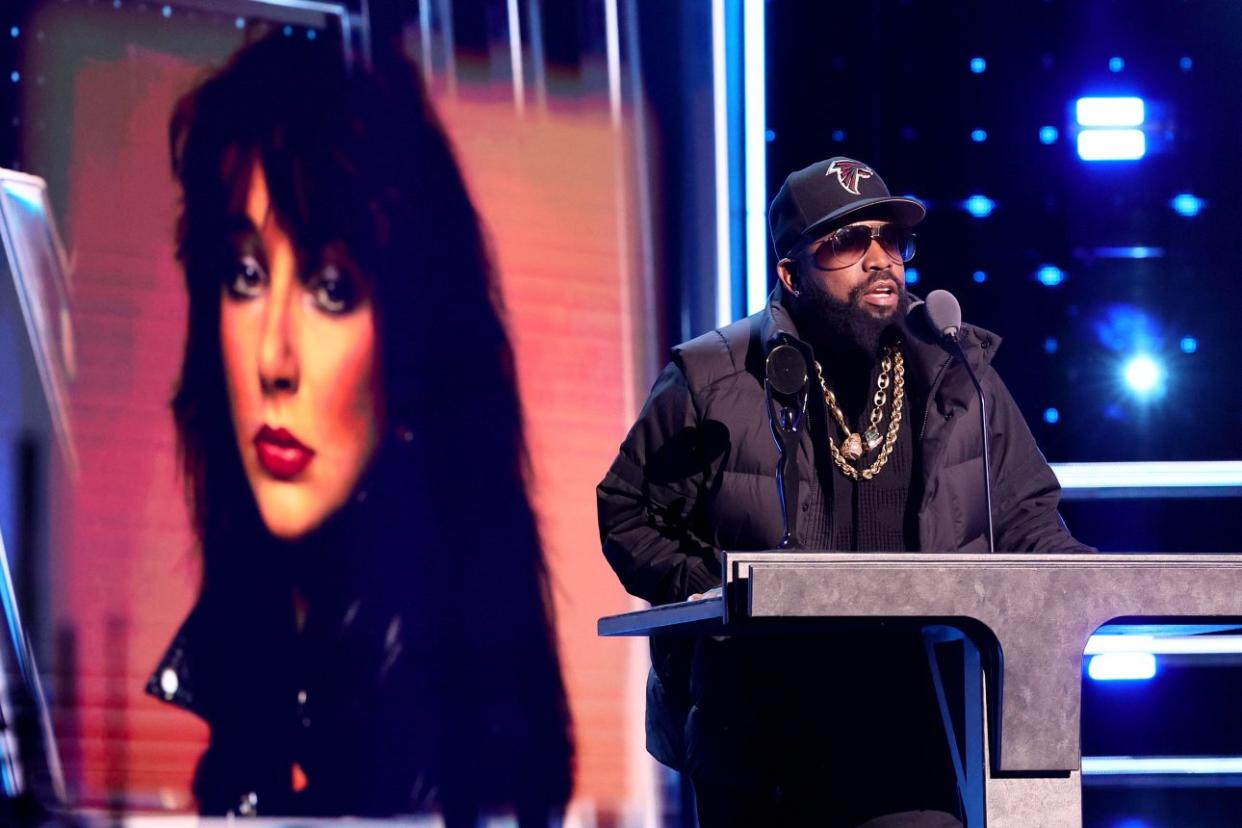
x=849 y=173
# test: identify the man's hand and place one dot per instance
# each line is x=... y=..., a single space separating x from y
x=711 y=593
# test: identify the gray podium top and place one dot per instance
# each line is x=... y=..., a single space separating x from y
x=1041 y=609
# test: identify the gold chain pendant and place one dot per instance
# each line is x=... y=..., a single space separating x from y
x=872 y=439
x=852 y=448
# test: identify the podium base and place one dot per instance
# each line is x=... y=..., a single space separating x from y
x=1029 y=801
x=1035 y=802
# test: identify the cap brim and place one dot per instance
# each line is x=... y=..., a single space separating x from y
x=904 y=211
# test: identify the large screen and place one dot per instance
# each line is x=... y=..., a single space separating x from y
x=544 y=139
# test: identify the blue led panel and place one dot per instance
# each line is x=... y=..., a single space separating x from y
x=1111 y=144
x=1126 y=111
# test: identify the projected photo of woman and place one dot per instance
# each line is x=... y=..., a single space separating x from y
x=374 y=631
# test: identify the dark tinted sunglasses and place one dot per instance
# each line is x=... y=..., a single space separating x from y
x=848 y=245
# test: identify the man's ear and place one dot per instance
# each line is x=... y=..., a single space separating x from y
x=787 y=272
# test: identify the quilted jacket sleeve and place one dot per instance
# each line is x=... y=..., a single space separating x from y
x=651 y=498
x=1025 y=491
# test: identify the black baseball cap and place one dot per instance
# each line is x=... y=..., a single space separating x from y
x=815 y=197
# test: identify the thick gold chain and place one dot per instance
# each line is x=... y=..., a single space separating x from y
x=893 y=362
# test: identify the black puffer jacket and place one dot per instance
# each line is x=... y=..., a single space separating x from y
x=696 y=473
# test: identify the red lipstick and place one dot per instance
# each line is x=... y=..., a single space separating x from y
x=280 y=453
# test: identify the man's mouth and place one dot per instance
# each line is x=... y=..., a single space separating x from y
x=882 y=294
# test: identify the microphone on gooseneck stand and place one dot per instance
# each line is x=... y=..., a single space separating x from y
x=784 y=387
x=945 y=315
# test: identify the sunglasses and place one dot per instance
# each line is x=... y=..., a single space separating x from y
x=848 y=245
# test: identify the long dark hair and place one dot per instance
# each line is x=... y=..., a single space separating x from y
x=359 y=158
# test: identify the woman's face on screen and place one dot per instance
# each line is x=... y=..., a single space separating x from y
x=299 y=349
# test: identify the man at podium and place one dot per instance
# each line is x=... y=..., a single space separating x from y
x=882 y=450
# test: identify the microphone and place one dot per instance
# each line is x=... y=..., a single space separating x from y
x=786 y=376
x=945 y=314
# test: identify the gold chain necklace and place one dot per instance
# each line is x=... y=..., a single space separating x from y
x=853 y=447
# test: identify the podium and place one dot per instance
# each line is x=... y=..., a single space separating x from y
x=1030 y=616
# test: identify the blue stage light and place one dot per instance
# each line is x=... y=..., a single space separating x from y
x=1159 y=766
x=980 y=276
x=725 y=232
x=1190 y=643
x=240 y=22
x=1050 y=275
x=1116 y=64
x=1143 y=375
x=1051 y=345
x=1126 y=111
x=754 y=153
x=1048 y=135
x=167 y=11
x=1189 y=344
x=769 y=136
x=15 y=76
x=912 y=275
x=14 y=32
x=979 y=135
x=1122 y=666
x=1127 y=329
x=978 y=65
x=979 y=206
x=287 y=31
x=1051 y=416
x=838 y=135
x=1111 y=144
x=1186 y=63
x=310 y=34
x=1185 y=204
x=1160 y=478
x=1133 y=251
x=1130 y=822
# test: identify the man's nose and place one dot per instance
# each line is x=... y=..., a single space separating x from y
x=278 y=357
x=876 y=257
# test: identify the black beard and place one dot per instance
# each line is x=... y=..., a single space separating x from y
x=845 y=329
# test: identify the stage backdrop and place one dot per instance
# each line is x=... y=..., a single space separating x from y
x=551 y=165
